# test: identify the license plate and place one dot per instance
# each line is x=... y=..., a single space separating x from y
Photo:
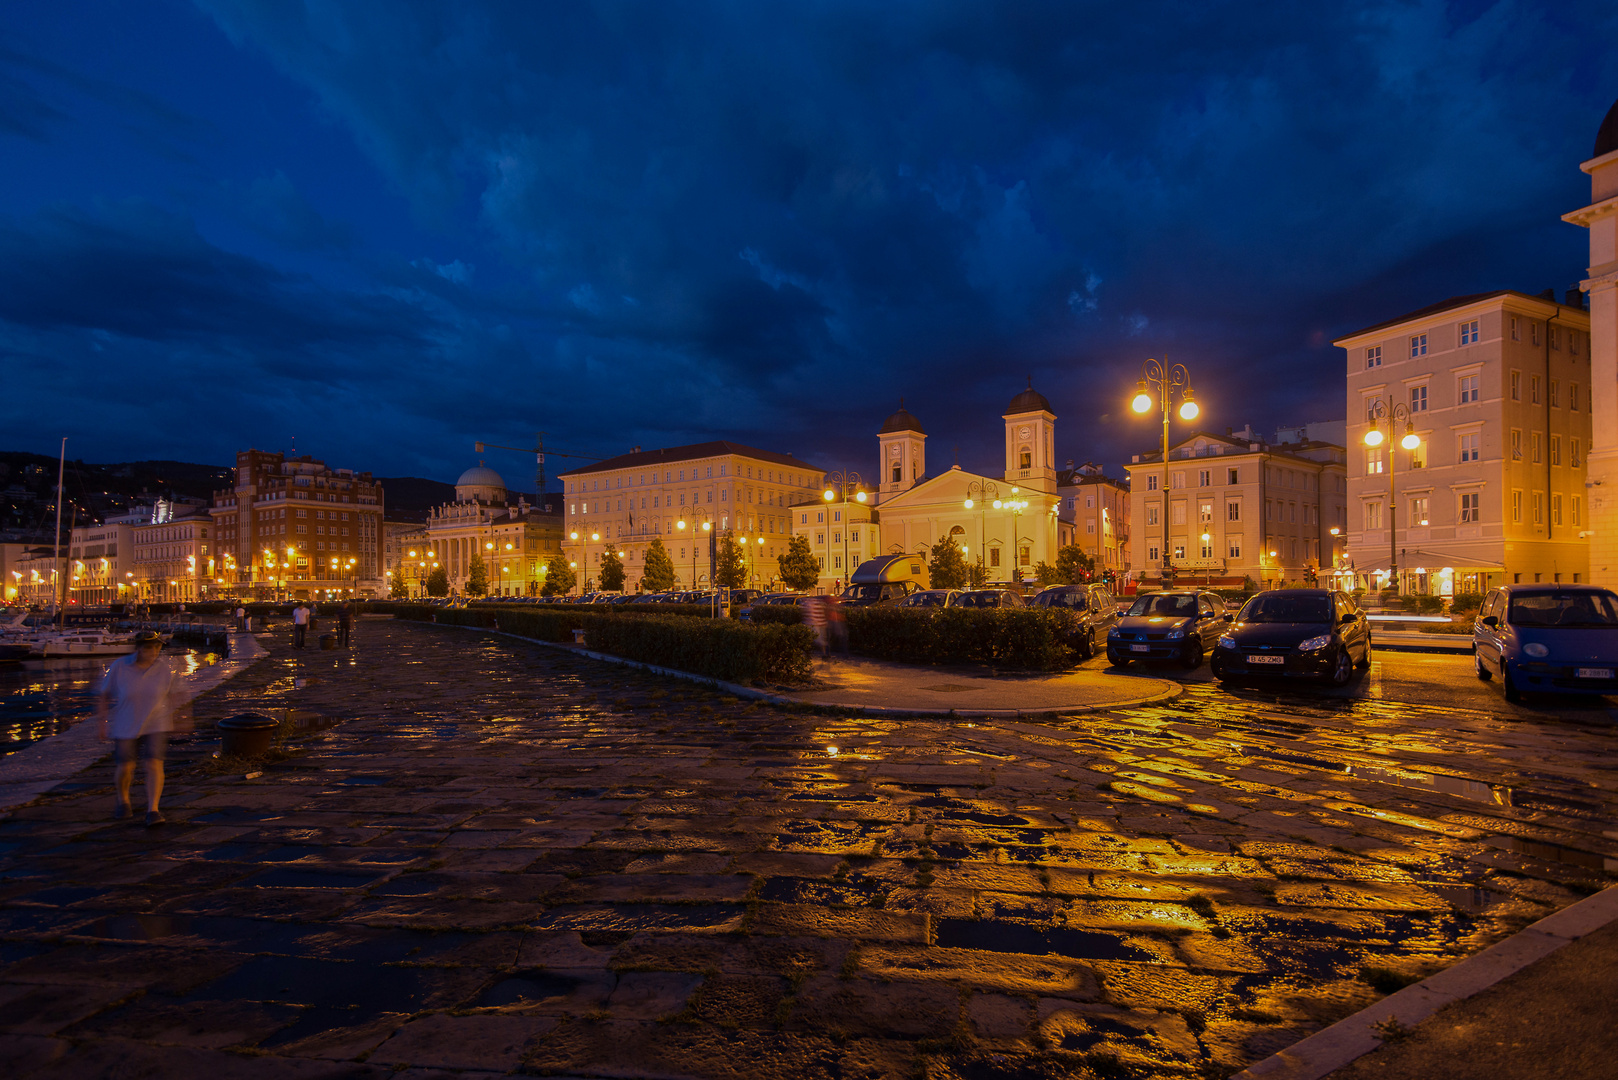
x=1140 y=648
x=1595 y=673
x=1266 y=659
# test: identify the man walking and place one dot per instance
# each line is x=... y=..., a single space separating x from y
x=300 y=624
x=345 y=624
x=241 y=619
x=136 y=704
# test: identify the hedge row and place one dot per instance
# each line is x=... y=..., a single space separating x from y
x=719 y=649
x=1031 y=638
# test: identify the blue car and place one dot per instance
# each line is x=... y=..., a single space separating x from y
x=1548 y=639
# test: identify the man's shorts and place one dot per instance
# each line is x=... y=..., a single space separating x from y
x=153 y=747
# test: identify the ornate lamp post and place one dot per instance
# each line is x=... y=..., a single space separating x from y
x=1165 y=381
x=583 y=565
x=842 y=483
x=1016 y=506
x=986 y=490
x=698 y=517
x=1394 y=413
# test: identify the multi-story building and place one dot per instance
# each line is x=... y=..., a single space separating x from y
x=842 y=533
x=1601 y=218
x=1497 y=387
x=296 y=528
x=624 y=503
x=1098 y=507
x=515 y=541
x=97 y=561
x=402 y=542
x=172 y=557
x=1232 y=508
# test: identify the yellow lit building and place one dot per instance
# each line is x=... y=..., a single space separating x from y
x=515 y=540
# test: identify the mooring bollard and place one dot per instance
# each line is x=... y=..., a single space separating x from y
x=247 y=735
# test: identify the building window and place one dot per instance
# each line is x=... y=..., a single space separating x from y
x=1151 y=515
x=1179 y=551
x=1469 y=333
x=1575 y=516
x=1025 y=460
x=1151 y=554
x=1469 y=507
x=1556 y=449
x=1204 y=477
x=1533 y=389
x=1235 y=549
x=1573 y=396
x=1373 y=515
x=1533 y=443
x=1205 y=513
x=1024 y=555
x=1418 y=510
x=1374 y=461
x=994 y=556
x=1233 y=510
x=1556 y=508
x=1533 y=333
x=1373 y=356
x=1573 y=453
x=1469 y=388
x=1555 y=393
x=1516 y=383
x=1418 y=456
x=1516 y=507
x=1418 y=346
x=1207 y=550
x=1151 y=482
x=1556 y=338
x=1573 y=342
x=1469 y=447
x=1539 y=508
x=1516 y=444
x=1231 y=476
x=1179 y=479
x=1177 y=513
x=1418 y=399
x=1516 y=329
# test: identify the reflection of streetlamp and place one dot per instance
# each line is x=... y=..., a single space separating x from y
x=1165 y=380
x=1393 y=412
x=707 y=526
x=986 y=490
x=841 y=483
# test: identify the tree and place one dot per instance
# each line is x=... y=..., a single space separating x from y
x=659 y=573
x=731 y=573
x=399 y=589
x=977 y=575
x=559 y=577
x=799 y=568
x=612 y=572
x=1073 y=566
x=1045 y=574
x=477 y=575
x=438 y=582
x=946 y=567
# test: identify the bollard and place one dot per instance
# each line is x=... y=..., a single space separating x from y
x=328 y=641
x=247 y=735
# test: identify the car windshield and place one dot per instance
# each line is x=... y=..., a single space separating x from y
x=1564 y=609
x=929 y=599
x=861 y=592
x=1281 y=608
x=1068 y=598
x=1164 y=604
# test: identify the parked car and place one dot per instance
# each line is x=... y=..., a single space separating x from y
x=1295 y=633
x=990 y=598
x=1094 y=607
x=886 y=580
x=1177 y=624
x=1548 y=639
x=931 y=598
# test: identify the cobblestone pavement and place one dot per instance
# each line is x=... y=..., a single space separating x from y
x=511 y=858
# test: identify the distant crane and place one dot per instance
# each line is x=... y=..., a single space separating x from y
x=539 y=453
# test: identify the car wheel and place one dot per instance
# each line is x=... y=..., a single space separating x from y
x=1191 y=657
x=1119 y=662
x=1365 y=660
x=1343 y=670
x=1509 y=685
x=1087 y=647
x=1484 y=674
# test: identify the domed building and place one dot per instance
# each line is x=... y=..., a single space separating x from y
x=481 y=484
x=515 y=540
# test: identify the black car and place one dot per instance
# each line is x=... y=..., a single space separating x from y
x=1295 y=633
x=1178 y=624
x=1092 y=604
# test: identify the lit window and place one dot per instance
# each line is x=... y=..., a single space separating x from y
x=1469 y=506
x=1469 y=333
x=1373 y=356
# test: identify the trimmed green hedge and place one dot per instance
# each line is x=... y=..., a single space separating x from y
x=777 y=614
x=719 y=649
x=1032 y=638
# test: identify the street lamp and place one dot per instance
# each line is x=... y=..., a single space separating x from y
x=1394 y=412
x=1165 y=380
x=840 y=484
x=1207 y=554
x=707 y=526
x=986 y=490
x=584 y=558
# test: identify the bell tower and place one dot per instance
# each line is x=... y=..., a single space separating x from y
x=1030 y=442
x=902 y=450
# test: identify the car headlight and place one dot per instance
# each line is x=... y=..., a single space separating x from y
x=1315 y=644
x=1536 y=650
x=1112 y=633
x=1176 y=635
x=1227 y=642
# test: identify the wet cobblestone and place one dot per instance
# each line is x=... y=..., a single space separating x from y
x=510 y=858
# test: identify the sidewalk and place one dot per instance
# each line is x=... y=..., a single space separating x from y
x=878 y=686
x=1416 y=641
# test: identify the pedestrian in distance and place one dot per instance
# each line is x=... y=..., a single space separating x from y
x=241 y=619
x=345 y=624
x=817 y=615
x=300 y=624
x=137 y=704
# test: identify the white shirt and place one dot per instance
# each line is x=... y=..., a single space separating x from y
x=300 y=616
x=143 y=701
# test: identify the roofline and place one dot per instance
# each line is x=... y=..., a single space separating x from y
x=1155 y=457
x=1544 y=307
x=690 y=452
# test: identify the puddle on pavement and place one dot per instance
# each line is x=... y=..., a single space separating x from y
x=1471 y=899
x=1458 y=786
x=1009 y=937
x=852 y=893
x=1535 y=849
x=528 y=988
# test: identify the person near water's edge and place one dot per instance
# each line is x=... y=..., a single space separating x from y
x=345 y=624
x=137 y=702
x=300 y=625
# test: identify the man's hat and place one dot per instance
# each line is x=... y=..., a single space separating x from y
x=148 y=637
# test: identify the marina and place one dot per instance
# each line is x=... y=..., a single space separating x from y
x=40 y=698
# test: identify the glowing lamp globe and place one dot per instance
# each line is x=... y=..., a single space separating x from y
x=1410 y=441
x=1373 y=437
x=1142 y=402
x=1189 y=411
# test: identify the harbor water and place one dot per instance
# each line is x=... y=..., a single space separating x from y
x=41 y=698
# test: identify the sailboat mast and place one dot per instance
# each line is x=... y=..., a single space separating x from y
x=58 y=561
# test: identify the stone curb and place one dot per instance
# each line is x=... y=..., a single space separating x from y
x=35 y=770
x=1329 y=1050
x=755 y=694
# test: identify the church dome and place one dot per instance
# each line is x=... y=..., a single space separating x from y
x=901 y=421
x=1030 y=400
x=480 y=484
x=1607 y=137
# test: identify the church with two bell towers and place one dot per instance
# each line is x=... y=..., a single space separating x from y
x=1008 y=523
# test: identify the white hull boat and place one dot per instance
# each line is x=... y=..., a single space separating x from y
x=74 y=643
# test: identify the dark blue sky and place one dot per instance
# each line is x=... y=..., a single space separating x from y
x=393 y=228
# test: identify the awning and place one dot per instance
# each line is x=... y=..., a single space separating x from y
x=1429 y=560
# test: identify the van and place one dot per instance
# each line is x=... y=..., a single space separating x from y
x=886 y=580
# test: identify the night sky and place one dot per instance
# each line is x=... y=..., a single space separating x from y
x=390 y=229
